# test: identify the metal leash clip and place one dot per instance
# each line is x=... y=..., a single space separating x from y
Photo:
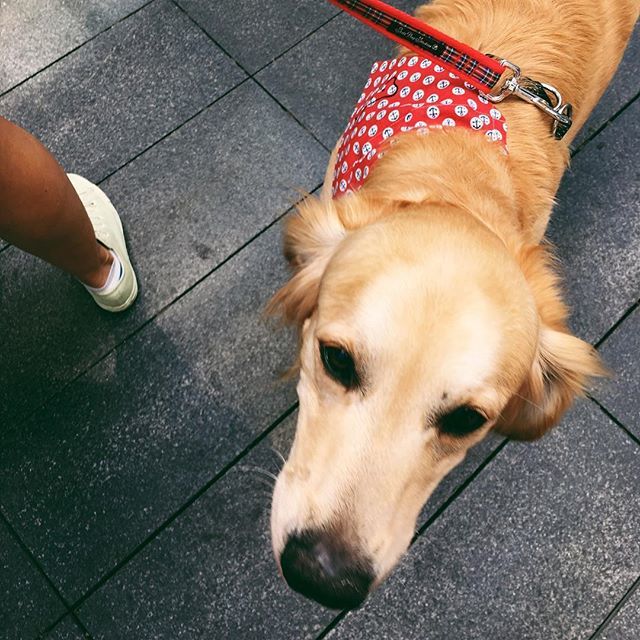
x=542 y=95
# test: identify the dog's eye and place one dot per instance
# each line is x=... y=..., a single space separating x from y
x=461 y=421
x=339 y=365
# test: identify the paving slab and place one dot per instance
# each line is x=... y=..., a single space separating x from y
x=186 y=204
x=542 y=545
x=254 y=32
x=27 y=603
x=67 y=629
x=320 y=79
x=104 y=463
x=625 y=625
x=621 y=394
x=596 y=227
x=122 y=91
x=54 y=27
x=622 y=90
x=217 y=558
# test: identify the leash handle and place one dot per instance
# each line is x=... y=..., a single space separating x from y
x=478 y=69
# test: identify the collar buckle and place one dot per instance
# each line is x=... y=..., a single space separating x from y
x=542 y=95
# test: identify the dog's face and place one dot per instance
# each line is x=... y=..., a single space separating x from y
x=423 y=334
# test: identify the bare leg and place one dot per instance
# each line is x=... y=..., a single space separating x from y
x=40 y=211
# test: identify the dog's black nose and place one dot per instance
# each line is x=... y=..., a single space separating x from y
x=322 y=567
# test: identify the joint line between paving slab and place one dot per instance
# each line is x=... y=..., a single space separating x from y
x=616 y=324
x=252 y=76
x=86 y=634
x=40 y=569
x=443 y=507
x=291 y=114
x=277 y=57
x=605 y=623
x=447 y=503
x=295 y=44
x=613 y=419
x=169 y=521
x=81 y=626
x=604 y=125
x=166 y=135
x=332 y=625
x=68 y=53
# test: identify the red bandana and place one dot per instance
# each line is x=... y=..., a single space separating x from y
x=405 y=94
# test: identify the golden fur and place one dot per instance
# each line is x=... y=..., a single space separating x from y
x=435 y=277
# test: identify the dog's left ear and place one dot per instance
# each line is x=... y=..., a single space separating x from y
x=563 y=366
x=311 y=237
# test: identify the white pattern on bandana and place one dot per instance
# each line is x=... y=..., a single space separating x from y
x=449 y=106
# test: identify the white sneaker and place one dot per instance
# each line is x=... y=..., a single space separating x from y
x=108 y=229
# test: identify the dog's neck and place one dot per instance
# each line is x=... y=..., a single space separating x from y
x=509 y=194
x=459 y=169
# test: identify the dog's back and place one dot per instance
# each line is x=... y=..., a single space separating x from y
x=574 y=45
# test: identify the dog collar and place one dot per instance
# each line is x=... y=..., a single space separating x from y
x=406 y=94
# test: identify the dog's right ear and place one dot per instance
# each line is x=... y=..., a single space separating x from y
x=310 y=239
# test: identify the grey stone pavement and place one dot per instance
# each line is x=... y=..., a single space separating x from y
x=132 y=499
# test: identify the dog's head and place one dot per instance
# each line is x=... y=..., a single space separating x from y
x=420 y=332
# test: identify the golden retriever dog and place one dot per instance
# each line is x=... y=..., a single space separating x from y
x=428 y=304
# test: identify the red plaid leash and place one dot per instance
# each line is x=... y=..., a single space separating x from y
x=495 y=79
x=476 y=68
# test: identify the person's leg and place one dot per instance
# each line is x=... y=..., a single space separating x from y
x=40 y=211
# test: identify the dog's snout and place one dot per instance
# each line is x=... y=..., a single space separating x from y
x=322 y=567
